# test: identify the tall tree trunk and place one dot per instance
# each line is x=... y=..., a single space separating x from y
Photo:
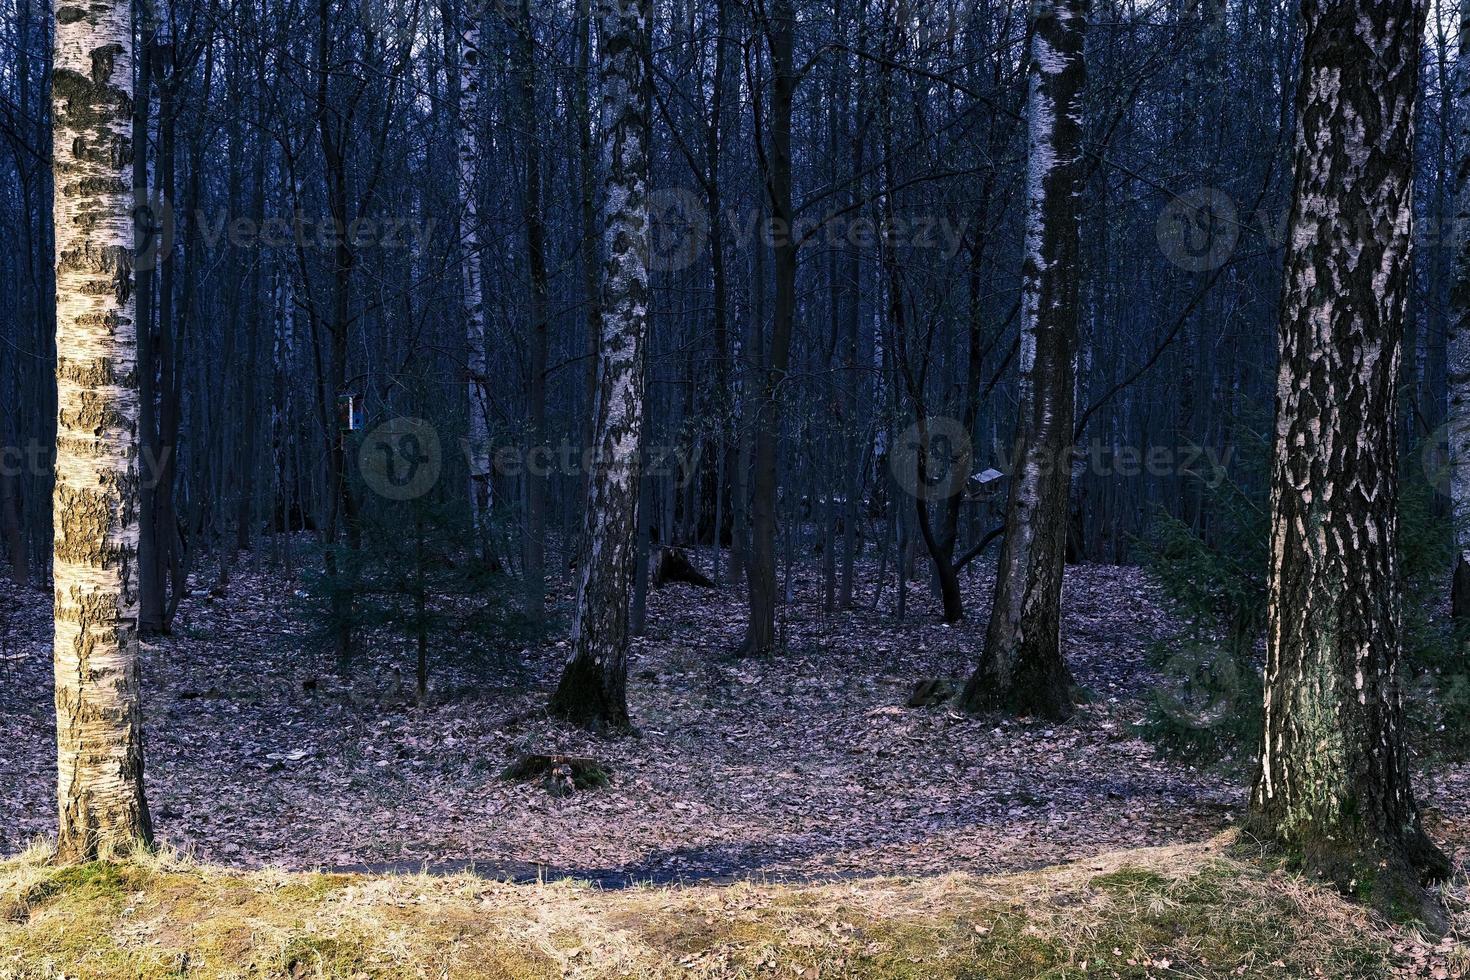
x=1022 y=669
x=587 y=206
x=155 y=349
x=719 y=279
x=98 y=696
x=534 y=551
x=470 y=269
x=593 y=688
x=335 y=141
x=12 y=531
x=147 y=232
x=760 y=635
x=250 y=395
x=1457 y=421
x=1334 y=788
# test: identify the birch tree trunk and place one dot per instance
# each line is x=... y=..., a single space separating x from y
x=1457 y=422
x=1022 y=669
x=1333 y=790
x=593 y=688
x=95 y=506
x=470 y=267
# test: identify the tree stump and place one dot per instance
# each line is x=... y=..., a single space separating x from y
x=673 y=565
x=560 y=775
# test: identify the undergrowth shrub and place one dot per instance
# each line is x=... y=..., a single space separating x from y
x=1208 y=706
x=417 y=585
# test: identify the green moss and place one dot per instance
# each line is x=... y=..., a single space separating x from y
x=1131 y=881
x=99 y=881
x=322 y=956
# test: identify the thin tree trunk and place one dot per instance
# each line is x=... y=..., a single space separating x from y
x=719 y=281
x=1022 y=669
x=760 y=635
x=593 y=688
x=1457 y=421
x=15 y=543
x=1334 y=785
x=587 y=205
x=478 y=446
x=98 y=693
x=250 y=394
x=155 y=354
x=534 y=551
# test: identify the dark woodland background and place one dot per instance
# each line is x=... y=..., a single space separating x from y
x=909 y=177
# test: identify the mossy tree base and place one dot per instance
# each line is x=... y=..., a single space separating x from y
x=593 y=697
x=1027 y=686
x=1389 y=876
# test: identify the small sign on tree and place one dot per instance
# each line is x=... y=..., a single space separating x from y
x=349 y=413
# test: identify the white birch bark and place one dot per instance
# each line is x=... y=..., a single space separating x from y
x=471 y=268
x=593 y=688
x=1022 y=669
x=95 y=504
x=1334 y=787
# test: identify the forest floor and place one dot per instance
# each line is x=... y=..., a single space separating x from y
x=805 y=766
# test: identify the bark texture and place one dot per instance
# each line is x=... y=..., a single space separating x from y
x=471 y=271
x=1333 y=790
x=1457 y=419
x=593 y=688
x=760 y=633
x=1022 y=669
x=95 y=505
x=535 y=531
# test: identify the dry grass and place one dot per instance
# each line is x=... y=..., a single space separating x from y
x=1188 y=911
